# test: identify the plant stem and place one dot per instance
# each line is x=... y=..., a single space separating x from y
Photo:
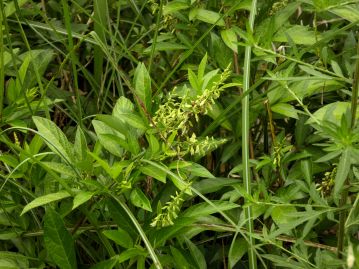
x=2 y=73
x=355 y=90
x=245 y=138
x=342 y=219
x=344 y=196
x=149 y=247
x=73 y=58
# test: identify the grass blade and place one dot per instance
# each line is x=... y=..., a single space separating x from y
x=245 y=139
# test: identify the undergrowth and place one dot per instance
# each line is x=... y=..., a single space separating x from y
x=179 y=134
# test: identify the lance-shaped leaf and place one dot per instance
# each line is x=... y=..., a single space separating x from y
x=58 y=241
x=142 y=89
x=54 y=138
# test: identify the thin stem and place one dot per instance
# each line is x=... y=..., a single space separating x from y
x=157 y=27
x=213 y=227
x=245 y=139
x=344 y=196
x=2 y=72
x=283 y=238
x=355 y=90
x=149 y=247
x=73 y=58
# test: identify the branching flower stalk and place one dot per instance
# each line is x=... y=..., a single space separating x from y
x=176 y=115
x=174 y=119
x=169 y=212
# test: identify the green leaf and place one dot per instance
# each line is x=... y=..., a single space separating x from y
x=229 y=37
x=123 y=105
x=120 y=218
x=283 y=214
x=10 y=7
x=238 y=248
x=207 y=16
x=299 y=34
x=81 y=198
x=306 y=166
x=328 y=157
x=131 y=253
x=54 y=138
x=222 y=54
x=204 y=209
x=336 y=68
x=216 y=113
x=193 y=168
x=272 y=24
x=139 y=199
x=175 y=6
x=9 y=160
x=23 y=69
x=180 y=258
x=196 y=254
x=114 y=123
x=197 y=170
x=58 y=241
x=285 y=109
x=194 y=81
x=13 y=233
x=213 y=184
x=120 y=237
x=283 y=262
x=112 y=146
x=80 y=145
x=315 y=73
x=347 y=12
x=160 y=236
x=107 y=264
x=343 y=171
x=124 y=111
x=166 y=46
x=40 y=59
x=14 y=260
x=142 y=89
x=43 y=200
x=134 y=121
x=177 y=181
x=60 y=168
x=151 y=171
x=114 y=170
x=125 y=136
x=9 y=264
x=202 y=68
x=15 y=88
x=154 y=145
x=332 y=112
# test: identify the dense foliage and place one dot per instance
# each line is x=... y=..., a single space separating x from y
x=179 y=134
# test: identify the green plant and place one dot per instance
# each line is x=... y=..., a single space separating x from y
x=178 y=134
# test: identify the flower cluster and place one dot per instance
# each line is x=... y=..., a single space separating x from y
x=172 y=115
x=327 y=183
x=278 y=6
x=176 y=113
x=169 y=212
x=204 y=102
x=200 y=146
